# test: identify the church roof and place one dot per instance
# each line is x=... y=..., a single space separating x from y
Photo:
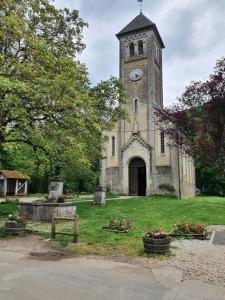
x=139 y=23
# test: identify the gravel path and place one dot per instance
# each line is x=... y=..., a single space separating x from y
x=200 y=260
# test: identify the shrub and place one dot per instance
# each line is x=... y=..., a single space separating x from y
x=167 y=187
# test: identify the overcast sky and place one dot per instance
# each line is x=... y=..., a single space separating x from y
x=193 y=32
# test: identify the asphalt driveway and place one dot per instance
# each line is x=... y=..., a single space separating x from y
x=44 y=275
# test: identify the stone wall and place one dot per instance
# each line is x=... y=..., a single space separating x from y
x=42 y=212
x=112 y=180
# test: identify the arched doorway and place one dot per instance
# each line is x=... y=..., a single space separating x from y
x=137 y=177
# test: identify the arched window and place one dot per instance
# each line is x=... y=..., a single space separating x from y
x=162 y=141
x=135 y=105
x=132 y=51
x=140 y=47
x=113 y=146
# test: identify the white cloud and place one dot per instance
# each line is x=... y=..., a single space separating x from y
x=73 y=4
x=180 y=71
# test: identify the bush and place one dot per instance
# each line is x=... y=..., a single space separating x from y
x=167 y=187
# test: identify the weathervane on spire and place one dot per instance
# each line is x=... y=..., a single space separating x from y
x=141 y=5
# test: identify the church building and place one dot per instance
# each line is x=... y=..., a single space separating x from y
x=138 y=159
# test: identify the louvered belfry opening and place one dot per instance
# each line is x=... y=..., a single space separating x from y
x=137 y=177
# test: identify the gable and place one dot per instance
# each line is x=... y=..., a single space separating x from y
x=136 y=143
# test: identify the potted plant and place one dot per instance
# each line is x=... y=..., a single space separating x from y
x=156 y=241
x=16 y=224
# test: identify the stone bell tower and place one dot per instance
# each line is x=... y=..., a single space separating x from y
x=137 y=158
x=141 y=71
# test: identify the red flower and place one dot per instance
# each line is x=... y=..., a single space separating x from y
x=187 y=226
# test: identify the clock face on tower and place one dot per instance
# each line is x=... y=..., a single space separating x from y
x=136 y=75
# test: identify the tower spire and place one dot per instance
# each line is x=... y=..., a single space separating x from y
x=141 y=5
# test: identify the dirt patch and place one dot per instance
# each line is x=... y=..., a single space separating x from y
x=24 y=244
x=50 y=256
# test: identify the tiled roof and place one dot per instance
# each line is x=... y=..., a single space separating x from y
x=139 y=23
x=14 y=174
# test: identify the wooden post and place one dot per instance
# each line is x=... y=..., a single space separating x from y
x=5 y=186
x=16 y=188
x=75 y=229
x=53 y=226
x=25 y=190
x=74 y=234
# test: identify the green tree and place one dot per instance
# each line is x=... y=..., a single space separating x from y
x=196 y=123
x=209 y=180
x=46 y=100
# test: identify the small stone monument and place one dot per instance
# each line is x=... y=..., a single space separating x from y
x=100 y=195
x=100 y=192
x=55 y=190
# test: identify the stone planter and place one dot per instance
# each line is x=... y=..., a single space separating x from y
x=156 y=245
x=15 y=228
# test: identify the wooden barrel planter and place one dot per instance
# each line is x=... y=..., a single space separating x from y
x=156 y=245
x=15 y=228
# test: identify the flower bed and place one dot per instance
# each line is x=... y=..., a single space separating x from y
x=189 y=230
x=119 y=226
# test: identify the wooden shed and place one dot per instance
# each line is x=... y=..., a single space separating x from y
x=13 y=183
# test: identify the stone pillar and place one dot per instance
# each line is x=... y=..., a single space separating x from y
x=102 y=181
x=100 y=192
x=55 y=190
x=100 y=195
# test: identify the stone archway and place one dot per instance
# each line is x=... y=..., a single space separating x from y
x=137 y=177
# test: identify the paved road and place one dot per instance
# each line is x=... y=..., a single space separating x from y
x=83 y=279
x=25 y=278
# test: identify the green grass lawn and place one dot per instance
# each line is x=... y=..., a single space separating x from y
x=145 y=212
